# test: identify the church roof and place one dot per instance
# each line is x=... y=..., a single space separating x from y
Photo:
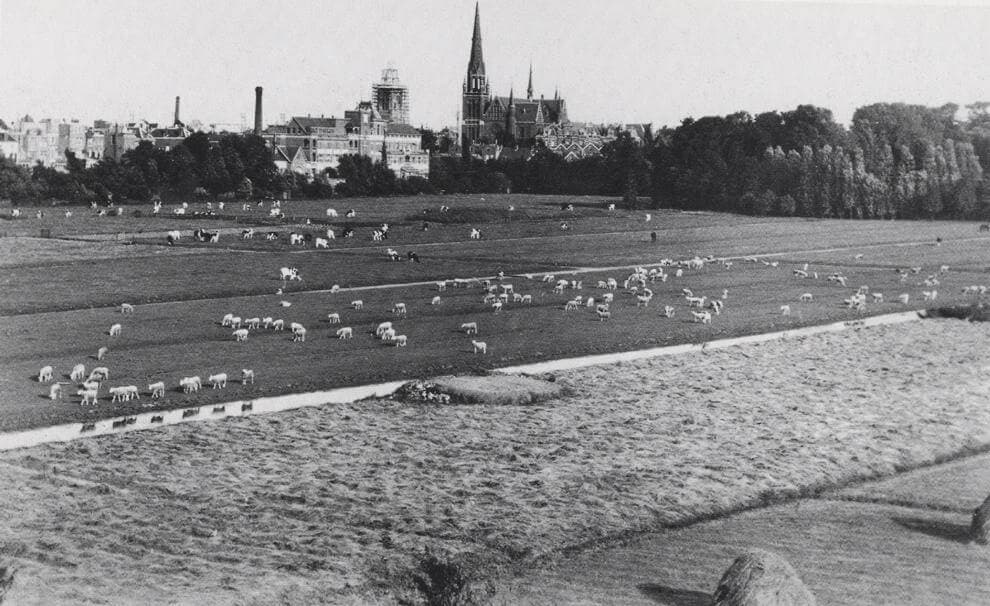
x=527 y=109
x=308 y=123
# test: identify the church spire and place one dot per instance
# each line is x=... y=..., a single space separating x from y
x=476 y=65
x=529 y=89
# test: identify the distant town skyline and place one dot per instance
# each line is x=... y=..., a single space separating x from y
x=630 y=61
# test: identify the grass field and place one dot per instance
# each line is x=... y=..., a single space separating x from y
x=332 y=504
x=58 y=294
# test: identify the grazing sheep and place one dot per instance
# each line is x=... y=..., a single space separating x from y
x=399 y=309
x=331 y=212
x=716 y=306
x=859 y=256
x=115 y=330
x=526 y=299
x=878 y=297
x=253 y=323
x=295 y=326
x=247 y=234
x=130 y=392
x=785 y=310
x=357 y=304
x=117 y=393
x=387 y=335
x=157 y=389
x=475 y=234
x=126 y=308
x=435 y=300
x=289 y=273
x=668 y=311
x=400 y=340
x=267 y=321
x=497 y=306
x=345 y=333
x=322 y=243
x=696 y=301
x=806 y=297
x=601 y=284
x=247 y=376
x=235 y=322
x=608 y=297
x=702 y=316
x=55 y=392
x=46 y=374
x=334 y=318
x=441 y=285
x=470 y=328
x=944 y=269
x=227 y=320
x=271 y=236
x=89 y=396
x=285 y=303
x=569 y=306
x=241 y=334
x=190 y=384
x=678 y=273
x=101 y=373
x=480 y=346
x=218 y=381
x=589 y=302
x=603 y=314
x=930 y=295
x=382 y=328
x=278 y=324
x=78 y=372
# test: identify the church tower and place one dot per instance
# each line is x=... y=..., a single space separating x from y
x=529 y=89
x=510 y=121
x=476 y=91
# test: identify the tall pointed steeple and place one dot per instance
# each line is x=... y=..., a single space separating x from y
x=529 y=89
x=476 y=64
x=510 y=120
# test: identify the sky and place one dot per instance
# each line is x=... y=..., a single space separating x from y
x=612 y=60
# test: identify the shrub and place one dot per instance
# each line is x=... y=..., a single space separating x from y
x=446 y=580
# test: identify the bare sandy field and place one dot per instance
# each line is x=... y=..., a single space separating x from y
x=329 y=504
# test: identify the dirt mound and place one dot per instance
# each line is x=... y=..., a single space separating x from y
x=761 y=578
x=491 y=389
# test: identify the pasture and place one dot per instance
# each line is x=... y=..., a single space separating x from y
x=61 y=295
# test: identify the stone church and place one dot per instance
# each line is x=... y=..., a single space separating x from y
x=508 y=122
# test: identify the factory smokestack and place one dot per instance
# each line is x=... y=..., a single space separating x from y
x=177 y=122
x=257 y=110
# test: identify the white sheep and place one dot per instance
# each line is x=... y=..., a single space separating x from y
x=253 y=323
x=189 y=384
x=331 y=212
x=470 y=327
x=569 y=306
x=480 y=346
x=78 y=372
x=399 y=309
x=785 y=310
x=101 y=352
x=526 y=299
x=55 y=392
x=497 y=306
x=294 y=326
x=322 y=243
x=157 y=389
x=387 y=335
x=278 y=324
x=89 y=396
x=235 y=322
x=130 y=392
x=806 y=297
x=357 y=304
x=702 y=316
x=100 y=372
x=227 y=320
x=382 y=327
x=441 y=285
x=345 y=333
x=218 y=381
x=247 y=376
x=435 y=300
x=929 y=295
x=126 y=308
x=333 y=318
x=267 y=321
x=603 y=314
x=46 y=374
x=241 y=334
x=117 y=393
x=115 y=330
x=400 y=340
x=878 y=297
x=668 y=311
x=608 y=297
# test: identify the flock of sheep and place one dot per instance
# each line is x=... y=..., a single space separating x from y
x=89 y=386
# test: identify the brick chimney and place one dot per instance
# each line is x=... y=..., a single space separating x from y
x=257 y=110
x=177 y=112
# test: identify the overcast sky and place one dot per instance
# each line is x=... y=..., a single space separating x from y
x=613 y=60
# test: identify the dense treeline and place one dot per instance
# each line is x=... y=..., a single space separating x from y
x=894 y=161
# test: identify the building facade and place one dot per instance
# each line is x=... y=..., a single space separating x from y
x=390 y=97
x=502 y=121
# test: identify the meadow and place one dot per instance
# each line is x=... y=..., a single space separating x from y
x=60 y=295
